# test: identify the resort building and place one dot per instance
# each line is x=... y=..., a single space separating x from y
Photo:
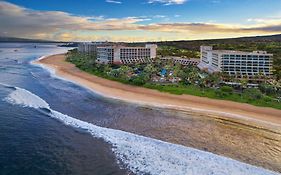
x=90 y=47
x=182 y=61
x=118 y=54
x=235 y=63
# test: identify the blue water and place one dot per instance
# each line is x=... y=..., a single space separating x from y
x=31 y=142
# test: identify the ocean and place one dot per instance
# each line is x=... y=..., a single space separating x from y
x=52 y=126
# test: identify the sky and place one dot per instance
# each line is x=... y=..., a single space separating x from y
x=138 y=20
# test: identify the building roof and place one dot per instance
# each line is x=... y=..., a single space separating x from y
x=241 y=52
x=121 y=46
x=179 y=58
x=210 y=49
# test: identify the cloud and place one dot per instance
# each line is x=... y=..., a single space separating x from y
x=216 y=1
x=18 y=21
x=114 y=2
x=167 y=2
x=269 y=20
x=159 y=16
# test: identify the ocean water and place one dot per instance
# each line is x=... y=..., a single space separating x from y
x=31 y=143
x=51 y=126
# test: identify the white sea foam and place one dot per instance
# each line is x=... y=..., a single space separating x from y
x=40 y=58
x=50 y=69
x=37 y=63
x=27 y=99
x=143 y=155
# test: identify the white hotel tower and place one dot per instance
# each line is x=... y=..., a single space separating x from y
x=126 y=55
x=235 y=63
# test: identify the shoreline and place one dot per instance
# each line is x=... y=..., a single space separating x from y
x=57 y=65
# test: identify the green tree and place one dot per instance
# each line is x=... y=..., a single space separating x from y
x=150 y=70
x=193 y=75
x=125 y=71
x=114 y=73
x=214 y=79
x=177 y=69
x=243 y=83
x=252 y=94
x=107 y=68
x=140 y=80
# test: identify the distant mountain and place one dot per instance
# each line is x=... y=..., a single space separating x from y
x=195 y=44
x=185 y=44
x=13 y=39
x=270 y=38
x=217 y=43
x=267 y=38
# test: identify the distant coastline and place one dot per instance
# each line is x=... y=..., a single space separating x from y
x=150 y=97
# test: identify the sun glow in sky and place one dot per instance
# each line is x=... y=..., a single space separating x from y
x=138 y=20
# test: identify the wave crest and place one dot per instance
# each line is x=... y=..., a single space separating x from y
x=27 y=99
x=143 y=155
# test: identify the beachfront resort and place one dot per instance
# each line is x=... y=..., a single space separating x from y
x=234 y=63
x=134 y=87
x=224 y=74
x=107 y=53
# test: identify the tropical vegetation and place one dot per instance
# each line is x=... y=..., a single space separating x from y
x=178 y=79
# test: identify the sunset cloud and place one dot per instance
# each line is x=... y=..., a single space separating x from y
x=18 y=21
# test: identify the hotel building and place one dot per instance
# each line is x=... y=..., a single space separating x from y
x=235 y=63
x=117 y=54
x=182 y=61
x=90 y=47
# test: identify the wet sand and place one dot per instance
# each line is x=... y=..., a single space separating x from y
x=254 y=139
x=244 y=141
x=151 y=97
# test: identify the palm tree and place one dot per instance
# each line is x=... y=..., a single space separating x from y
x=261 y=76
x=213 y=79
x=256 y=78
x=177 y=69
x=194 y=75
x=157 y=62
x=203 y=83
x=243 y=84
x=225 y=76
x=149 y=70
x=124 y=71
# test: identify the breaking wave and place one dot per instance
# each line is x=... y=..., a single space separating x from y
x=143 y=155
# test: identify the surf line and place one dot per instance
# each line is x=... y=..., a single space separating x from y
x=143 y=155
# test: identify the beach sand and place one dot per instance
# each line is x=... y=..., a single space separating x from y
x=146 y=96
x=231 y=129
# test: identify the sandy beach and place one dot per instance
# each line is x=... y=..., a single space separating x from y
x=218 y=126
x=146 y=96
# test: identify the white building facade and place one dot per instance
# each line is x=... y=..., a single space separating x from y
x=126 y=55
x=235 y=63
x=90 y=47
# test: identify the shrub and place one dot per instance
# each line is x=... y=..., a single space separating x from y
x=267 y=99
x=139 y=81
x=227 y=89
x=224 y=91
x=267 y=89
x=252 y=94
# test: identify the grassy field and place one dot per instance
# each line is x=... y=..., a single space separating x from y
x=263 y=100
